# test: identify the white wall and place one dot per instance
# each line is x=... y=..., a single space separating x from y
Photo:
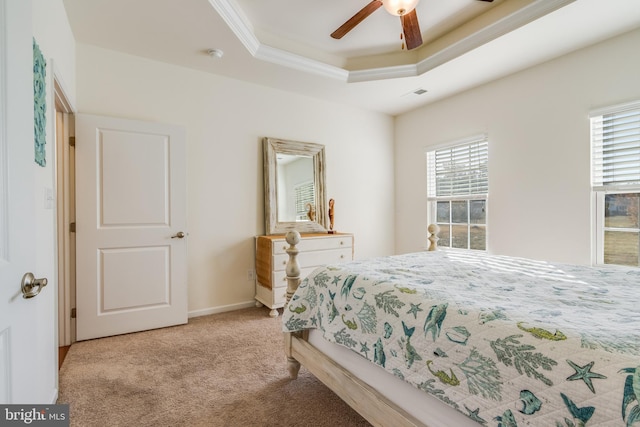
x=52 y=32
x=225 y=121
x=538 y=127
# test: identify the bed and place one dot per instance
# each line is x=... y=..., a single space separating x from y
x=449 y=338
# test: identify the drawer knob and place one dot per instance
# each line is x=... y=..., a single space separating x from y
x=341 y=242
x=341 y=256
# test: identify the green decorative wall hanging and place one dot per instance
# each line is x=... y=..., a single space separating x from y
x=39 y=104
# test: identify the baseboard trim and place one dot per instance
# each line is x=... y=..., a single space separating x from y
x=221 y=309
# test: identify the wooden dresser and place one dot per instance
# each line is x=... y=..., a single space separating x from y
x=271 y=259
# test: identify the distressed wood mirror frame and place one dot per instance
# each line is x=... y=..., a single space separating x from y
x=272 y=147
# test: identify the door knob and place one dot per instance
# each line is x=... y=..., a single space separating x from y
x=178 y=235
x=32 y=286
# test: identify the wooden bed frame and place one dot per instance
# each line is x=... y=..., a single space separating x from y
x=364 y=399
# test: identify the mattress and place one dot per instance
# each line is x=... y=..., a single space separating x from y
x=504 y=341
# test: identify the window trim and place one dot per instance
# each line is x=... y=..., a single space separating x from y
x=600 y=191
x=432 y=201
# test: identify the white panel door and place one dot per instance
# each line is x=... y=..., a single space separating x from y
x=28 y=345
x=131 y=262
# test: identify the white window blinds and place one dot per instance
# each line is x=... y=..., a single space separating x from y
x=459 y=170
x=615 y=140
x=305 y=194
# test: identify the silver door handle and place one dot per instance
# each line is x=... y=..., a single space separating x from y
x=32 y=286
x=178 y=235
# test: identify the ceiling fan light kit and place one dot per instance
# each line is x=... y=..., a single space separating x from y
x=405 y=9
x=399 y=7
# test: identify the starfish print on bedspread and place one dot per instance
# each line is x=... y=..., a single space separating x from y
x=584 y=373
x=415 y=308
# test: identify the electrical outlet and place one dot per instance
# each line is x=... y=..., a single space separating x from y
x=251 y=275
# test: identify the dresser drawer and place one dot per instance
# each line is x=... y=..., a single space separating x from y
x=314 y=259
x=280 y=296
x=272 y=298
x=314 y=244
x=280 y=277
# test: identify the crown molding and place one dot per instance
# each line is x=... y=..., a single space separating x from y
x=232 y=14
x=523 y=16
x=298 y=62
x=238 y=23
x=381 y=73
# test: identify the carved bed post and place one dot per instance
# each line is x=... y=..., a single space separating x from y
x=293 y=280
x=433 y=230
x=292 y=268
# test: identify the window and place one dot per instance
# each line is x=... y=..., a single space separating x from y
x=615 y=142
x=457 y=193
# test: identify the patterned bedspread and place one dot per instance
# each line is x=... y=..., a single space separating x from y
x=506 y=341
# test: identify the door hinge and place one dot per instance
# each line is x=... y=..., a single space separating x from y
x=73 y=313
x=72 y=227
x=72 y=141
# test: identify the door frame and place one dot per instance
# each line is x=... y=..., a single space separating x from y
x=64 y=182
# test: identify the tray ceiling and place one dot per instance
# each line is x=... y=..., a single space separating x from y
x=285 y=44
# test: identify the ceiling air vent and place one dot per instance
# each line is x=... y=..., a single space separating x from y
x=420 y=91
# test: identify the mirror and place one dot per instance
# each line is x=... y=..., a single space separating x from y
x=294 y=176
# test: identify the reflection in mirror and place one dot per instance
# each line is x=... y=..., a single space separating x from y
x=296 y=190
x=294 y=176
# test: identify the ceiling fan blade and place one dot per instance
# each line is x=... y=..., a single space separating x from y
x=356 y=19
x=411 y=30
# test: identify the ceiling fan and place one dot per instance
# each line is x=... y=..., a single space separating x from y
x=405 y=9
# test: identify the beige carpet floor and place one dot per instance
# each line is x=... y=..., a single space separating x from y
x=220 y=370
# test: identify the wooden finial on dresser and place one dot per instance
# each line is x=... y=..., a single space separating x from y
x=433 y=230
